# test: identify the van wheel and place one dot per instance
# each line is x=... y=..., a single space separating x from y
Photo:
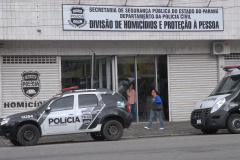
x=112 y=130
x=233 y=124
x=209 y=131
x=97 y=136
x=28 y=135
x=15 y=142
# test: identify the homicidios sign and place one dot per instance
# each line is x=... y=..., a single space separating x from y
x=121 y=18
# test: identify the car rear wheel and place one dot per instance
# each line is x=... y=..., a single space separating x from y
x=15 y=142
x=112 y=130
x=209 y=131
x=233 y=124
x=28 y=135
x=97 y=136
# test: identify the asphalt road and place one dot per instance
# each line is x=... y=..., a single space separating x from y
x=214 y=147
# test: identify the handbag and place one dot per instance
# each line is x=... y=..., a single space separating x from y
x=157 y=106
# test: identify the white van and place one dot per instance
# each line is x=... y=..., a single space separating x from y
x=221 y=109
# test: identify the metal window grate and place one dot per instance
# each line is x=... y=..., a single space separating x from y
x=233 y=56
x=29 y=59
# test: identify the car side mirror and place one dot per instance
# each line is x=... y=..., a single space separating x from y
x=48 y=109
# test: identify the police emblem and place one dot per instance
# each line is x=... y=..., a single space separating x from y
x=87 y=119
x=77 y=17
x=30 y=83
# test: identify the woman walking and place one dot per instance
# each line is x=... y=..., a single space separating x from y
x=156 y=99
x=132 y=100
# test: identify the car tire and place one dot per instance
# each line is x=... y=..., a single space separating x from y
x=209 y=131
x=112 y=130
x=233 y=123
x=28 y=135
x=15 y=142
x=97 y=136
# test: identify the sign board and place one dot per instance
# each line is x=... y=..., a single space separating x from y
x=122 y=18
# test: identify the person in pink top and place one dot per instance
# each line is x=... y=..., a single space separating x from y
x=132 y=100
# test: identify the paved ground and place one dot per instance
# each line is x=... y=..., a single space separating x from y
x=194 y=147
x=136 y=130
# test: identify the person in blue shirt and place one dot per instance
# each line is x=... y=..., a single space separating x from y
x=156 y=99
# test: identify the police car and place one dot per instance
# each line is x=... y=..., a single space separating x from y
x=102 y=113
x=221 y=109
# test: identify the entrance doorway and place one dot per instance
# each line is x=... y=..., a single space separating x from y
x=145 y=73
x=104 y=70
x=145 y=84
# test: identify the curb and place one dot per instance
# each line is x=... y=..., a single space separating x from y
x=4 y=143
x=135 y=131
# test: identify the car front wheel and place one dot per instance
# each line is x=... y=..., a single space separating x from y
x=233 y=124
x=112 y=130
x=28 y=135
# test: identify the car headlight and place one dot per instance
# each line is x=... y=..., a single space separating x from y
x=218 y=105
x=5 y=120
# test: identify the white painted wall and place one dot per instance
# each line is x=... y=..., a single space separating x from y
x=104 y=47
x=110 y=47
x=20 y=20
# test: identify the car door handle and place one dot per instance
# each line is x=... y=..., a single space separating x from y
x=70 y=114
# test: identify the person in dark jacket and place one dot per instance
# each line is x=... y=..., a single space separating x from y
x=156 y=99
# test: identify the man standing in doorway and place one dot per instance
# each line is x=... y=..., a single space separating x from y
x=132 y=100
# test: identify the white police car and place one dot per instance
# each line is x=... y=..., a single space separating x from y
x=221 y=109
x=102 y=113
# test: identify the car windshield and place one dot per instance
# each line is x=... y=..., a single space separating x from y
x=227 y=85
x=45 y=103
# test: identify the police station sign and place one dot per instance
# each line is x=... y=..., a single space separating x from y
x=122 y=18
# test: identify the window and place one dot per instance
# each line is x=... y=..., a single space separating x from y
x=29 y=60
x=89 y=100
x=112 y=99
x=227 y=85
x=108 y=98
x=118 y=97
x=64 y=103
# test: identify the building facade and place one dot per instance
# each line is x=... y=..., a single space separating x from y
x=49 y=45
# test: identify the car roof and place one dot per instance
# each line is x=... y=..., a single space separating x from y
x=86 y=91
x=234 y=72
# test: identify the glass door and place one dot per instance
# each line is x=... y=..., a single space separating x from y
x=104 y=68
x=145 y=84
x=139 y=71
x=126 y=74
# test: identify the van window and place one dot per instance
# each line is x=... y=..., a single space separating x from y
x=227 y=85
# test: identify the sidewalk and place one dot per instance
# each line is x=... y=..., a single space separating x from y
x=136 y=130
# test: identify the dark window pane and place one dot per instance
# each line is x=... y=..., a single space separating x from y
x=76 y=72
x=146 y=83
x=118 y=97
x=125 y=74
x=108 y=98
x=63 y=103
x=89 y=100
